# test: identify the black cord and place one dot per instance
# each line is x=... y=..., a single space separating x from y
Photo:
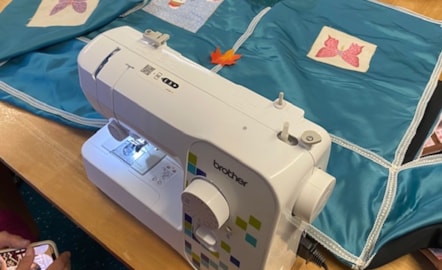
x=308 y=250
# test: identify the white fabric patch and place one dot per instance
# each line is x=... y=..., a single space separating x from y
x=342 y=50
x=62 y=13
x=187 y=14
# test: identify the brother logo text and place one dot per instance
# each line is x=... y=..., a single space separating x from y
x=229 y=173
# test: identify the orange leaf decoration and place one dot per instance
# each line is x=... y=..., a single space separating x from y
x=226 y=59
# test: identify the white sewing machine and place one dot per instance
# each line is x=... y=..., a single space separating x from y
x=220 y=173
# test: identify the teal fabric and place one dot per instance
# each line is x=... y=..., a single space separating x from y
x=49 y=75
x=418 y=198
x=17 y=38
x=371 y=116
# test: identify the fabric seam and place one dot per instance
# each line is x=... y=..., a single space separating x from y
x=96 y=123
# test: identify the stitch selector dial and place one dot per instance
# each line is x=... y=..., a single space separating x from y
x=205 y=203
x=209 y=211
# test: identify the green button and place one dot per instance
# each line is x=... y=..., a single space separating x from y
x=241 y=223
x=255 y=222
x=225 y=246
x=192 y=158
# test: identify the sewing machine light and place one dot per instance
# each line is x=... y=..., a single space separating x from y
x=138 y=153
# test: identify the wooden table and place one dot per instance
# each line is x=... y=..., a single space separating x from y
x=47 y=155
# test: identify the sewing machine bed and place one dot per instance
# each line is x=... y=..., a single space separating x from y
x=347 y=64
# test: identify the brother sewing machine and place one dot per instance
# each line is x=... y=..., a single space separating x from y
x=222 y=174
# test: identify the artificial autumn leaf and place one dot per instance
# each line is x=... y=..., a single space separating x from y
x=226 y=59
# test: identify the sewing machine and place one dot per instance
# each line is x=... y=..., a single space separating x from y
x=225 y=176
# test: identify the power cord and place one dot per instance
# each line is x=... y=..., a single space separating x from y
x=308 y=250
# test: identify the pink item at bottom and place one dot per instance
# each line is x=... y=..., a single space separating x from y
x=13 y=224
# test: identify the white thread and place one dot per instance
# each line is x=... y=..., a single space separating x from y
x=245 y=35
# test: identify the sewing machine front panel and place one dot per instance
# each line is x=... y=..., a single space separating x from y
x=242 y=241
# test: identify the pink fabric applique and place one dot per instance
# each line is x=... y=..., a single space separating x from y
x=350 y=55
x=342 y=50
x=79 y=6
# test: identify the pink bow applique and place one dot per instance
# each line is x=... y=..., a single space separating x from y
x=349 y=55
